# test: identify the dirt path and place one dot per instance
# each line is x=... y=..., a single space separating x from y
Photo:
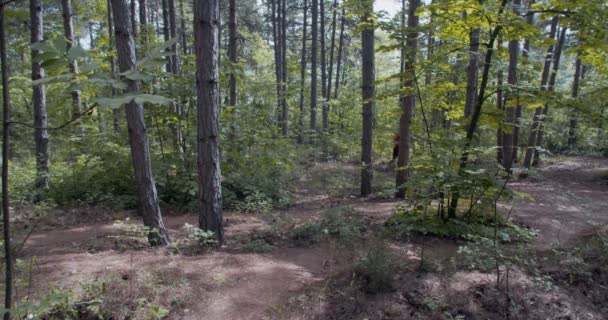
x=568 y=201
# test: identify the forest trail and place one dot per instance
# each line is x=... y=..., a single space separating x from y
x=569 y=200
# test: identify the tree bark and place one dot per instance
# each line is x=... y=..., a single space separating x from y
x=573 y=117
x=6 y=227
x=206 y=28
x=166 y=34
x=543 y=87
x=558 y=54
x=508 y=141
x=472 y=72
x=340 y=50
x=133 y=9
x=69 y=36
x=368 y=97
x=332 y=48
x=41 y=134
x=303 y=74
x=407 y=101
x=500 y=109
x=143 y=22
x=111 y=44
x=324 y=106
x=232 y=50
x=313 y=65
x=140 y=149
x=284 y=106
x=518 y=109
x=173 y=34
x=276 y=38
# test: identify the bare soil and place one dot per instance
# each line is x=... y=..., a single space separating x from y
x=566 y=201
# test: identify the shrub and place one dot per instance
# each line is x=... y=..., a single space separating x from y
x=376 y=268
x=407 y=221
x=257 y=246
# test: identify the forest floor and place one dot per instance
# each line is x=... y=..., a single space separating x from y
x=305 y=275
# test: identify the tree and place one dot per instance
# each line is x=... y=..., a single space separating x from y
x=368 y=90
x=313 y=65
x=472 y=70
x=543 y=87
x=340 y=50
x=508 y=150
x=232 y=52
x=408 y=99
x=69 y=36
x=324 y=108
x=332 y=48
x=41 y=134
x=303 y=73
x=6 y=227
x=148 y=203
x=573 y=117
x=206 y=28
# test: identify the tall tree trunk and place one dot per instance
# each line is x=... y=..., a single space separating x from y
x=324 y=106
x=518 y=109
x=512 y=119
x=276 y=38
x=472 y=126
x=206 y=29
x=500 y=109
x=6 y=227
x=166 y=34
x=182 y=20
x=408 y=101
x=368 y=97
x=340 y=50
x=332 y=48
x=143 y=22
x=133 y=9
x=313 y=65
x=173 y=34
x=41 y=134
x=69 y=36
x=558 y=54
x=148 y=205
x=284 y=107
x=303 y=74
x=233 y=57
x=573 y=117
x=112 y=45
x=472 y=72
x=543 y=87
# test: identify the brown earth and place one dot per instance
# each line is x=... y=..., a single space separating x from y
x=566 y=200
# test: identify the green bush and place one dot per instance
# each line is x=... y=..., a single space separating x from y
x=408 y=221
x=257 y=246
x=336 y=222
x=376 y=268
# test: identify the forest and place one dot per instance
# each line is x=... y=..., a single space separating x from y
x=304 y=159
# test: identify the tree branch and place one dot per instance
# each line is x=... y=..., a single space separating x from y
x=84 y=113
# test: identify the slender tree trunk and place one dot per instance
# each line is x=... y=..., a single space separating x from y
x=173 y=34
x=41 y=134
x=232 y=51
x=6 y=227
x=284 y=106
x=143 y=22
x=182 y=20
x=313 y=65
x=500 y=110
x=303 y=74
x=276 y=38
x=206 y=28
x=472 y=127
x=368 y=97
x=69 y=35
x=512 y=119
x=407 y=101
x=558 y=54
x=340 y=50
x=140 y=148
x=324 y=111
x=133 y=9
x=112 y=45
x=166 y=34
x=518 y=108
x=332 y=48
x=573 y=117
x=472 y=72
x=538 y=112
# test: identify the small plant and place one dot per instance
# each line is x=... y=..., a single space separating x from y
x=199 y=236
x=376 y=268
x=257 y=246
